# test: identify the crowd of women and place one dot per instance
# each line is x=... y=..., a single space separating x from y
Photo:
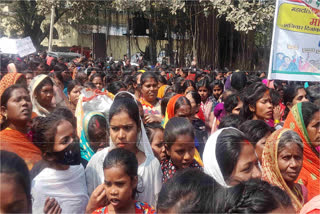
x=107 y=137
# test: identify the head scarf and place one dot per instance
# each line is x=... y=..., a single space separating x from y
x=270 y=169
x=8 y=80
x=162 y=91
x=170 y=108
x=211 y=165
x=36 y=107
x=310 y=174
x=142 y=143
x=85 y=148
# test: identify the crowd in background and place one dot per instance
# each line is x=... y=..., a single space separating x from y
x=105 y=136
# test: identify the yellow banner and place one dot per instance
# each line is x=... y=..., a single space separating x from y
x=298 y=18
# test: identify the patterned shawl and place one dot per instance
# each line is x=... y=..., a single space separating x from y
x=270 y=169
x=310 y=173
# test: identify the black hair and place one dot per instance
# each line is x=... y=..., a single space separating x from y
x=178 y=88
x=275 y=97
x=162 y=79
x=186 y=84
x=252 y=196
x=231 y=102
x=66 y=114
x=72 y=84
x=60 y=67
x=218 y=83
x=313 y=92
x=177 y=126
x=289 y=94
x=231 y=120
x=124 y=158
x=188 y=191
x=151 y=128
x=96 y=75
x=196 y=96
x=114 y=87
x=180 y=102
x=164 y=102
x=12 y=164
x=253 y=93
x=255 y=130
x=89 y=85
x=204 y=83
x=124 y=102
x=81 y=77
x=228 y=149
x=146 y=75
x=44 y=130
x=308 y=109
x=238 y=80
x=92 y=126
x=45 y=81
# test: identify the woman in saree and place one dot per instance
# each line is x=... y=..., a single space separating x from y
x=282 y=162
x=42 y=94
x=94 y=135
x=304 y=118
x=16 y=109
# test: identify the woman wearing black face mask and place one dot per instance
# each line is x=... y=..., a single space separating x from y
x=60 y=174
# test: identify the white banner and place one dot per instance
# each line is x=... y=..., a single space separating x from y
x=22 y=47
x=295 y=50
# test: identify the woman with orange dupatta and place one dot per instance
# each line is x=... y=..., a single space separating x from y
x=282 y=162
x=16 y=109
x=179 y=106
x=304 y=118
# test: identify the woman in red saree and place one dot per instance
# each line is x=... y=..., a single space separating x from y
x=16 y=109
x=304 y=118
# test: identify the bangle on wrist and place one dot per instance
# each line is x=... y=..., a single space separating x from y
x=276 y=121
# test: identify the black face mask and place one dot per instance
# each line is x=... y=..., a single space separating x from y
x=70 y=155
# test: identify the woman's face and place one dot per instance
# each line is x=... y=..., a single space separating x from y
x=264 y=108
x=100 y=139
x=118 y=186
x=182 y=151
x=74 y=94
x=65 y=135
x=149 y=90
x=300 y=97
x=290 y=161
x=217 y=91
x=66 y=75
x=204 y=93
x=29 y=77
x=124 y=131
x=183 y=111
x=97 y=81
x=13 y=197
x=157 y=145
x=260 y=145
x=246 y=167
x=190 y=88
x=45 y=96
x=313 y=129
x=19 y=106
x=237 y=109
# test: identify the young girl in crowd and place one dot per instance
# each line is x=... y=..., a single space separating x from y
x=149 y=100
x=281 y=164
x=120 y=169
x=204 y=90
x=60 y=174
x=293 y=94
x=127 y=131
x=230 y=158
x=180 y=148
x=257 y=103
x=217 y=90
x=73 y=91
x=154 y=132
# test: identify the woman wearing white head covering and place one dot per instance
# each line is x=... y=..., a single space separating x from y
x=230 y=158
x=149 y=171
